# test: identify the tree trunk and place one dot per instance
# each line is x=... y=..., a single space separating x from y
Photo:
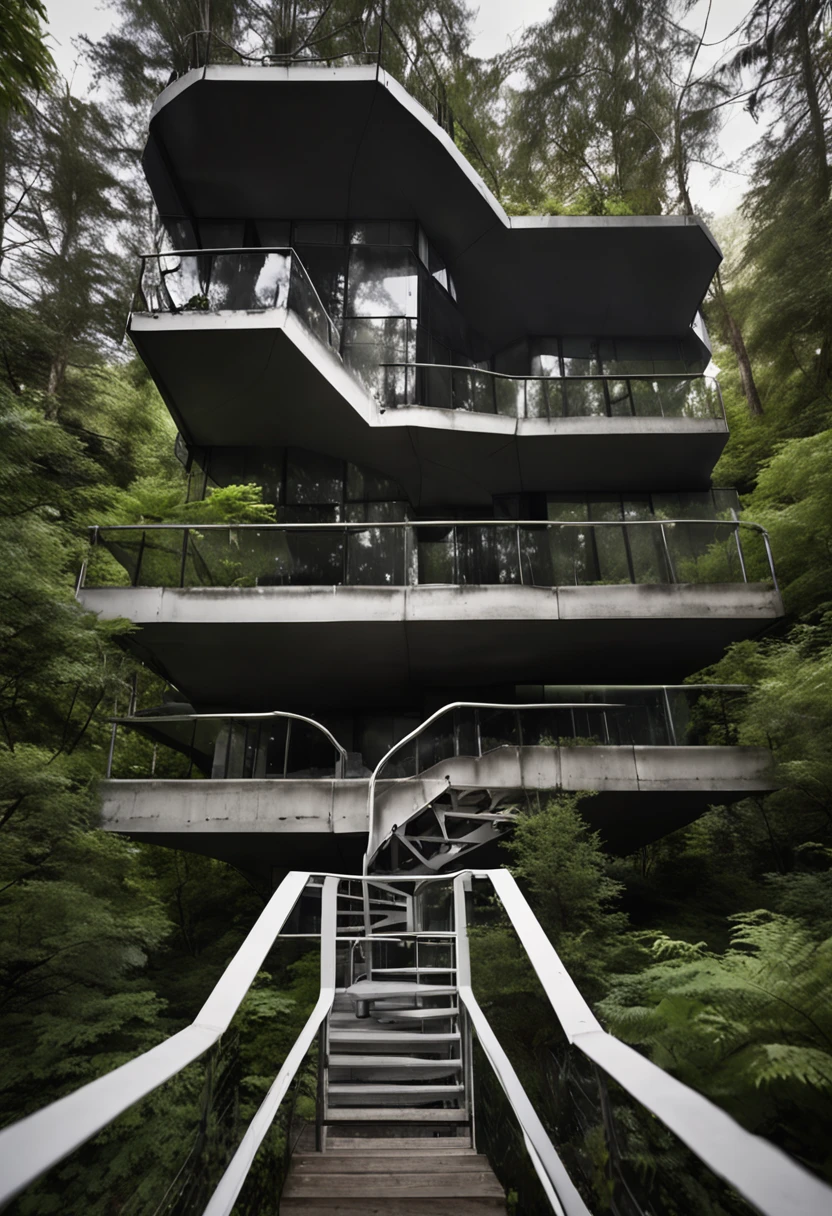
x=737 y=342
x=813 y=101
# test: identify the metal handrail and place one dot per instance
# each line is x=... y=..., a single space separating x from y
x=414 y=734
x=366 y=526
x=96 y=531
x=558 y=1186
x=764 y=1175
x=222 y=1201
x=141 y=720
x=34 y=1144
x=287 y=250
x=554 y=381
x=437 y=92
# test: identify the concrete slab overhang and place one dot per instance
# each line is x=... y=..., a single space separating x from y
x=239 y=378
x=333 y=143
x=254 y=648
x=644 y=792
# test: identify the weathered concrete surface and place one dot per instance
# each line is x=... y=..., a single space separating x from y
x=436 y=455
x=254 y=648
x=378 y=152
x=264 y=825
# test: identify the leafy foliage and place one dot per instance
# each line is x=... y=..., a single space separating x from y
x=751 y=1028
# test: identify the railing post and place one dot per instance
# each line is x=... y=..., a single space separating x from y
x=739 y=550
x=184 y=558
x=139 y=557
x=670 y=571
x=770 y=557
x=671 y=726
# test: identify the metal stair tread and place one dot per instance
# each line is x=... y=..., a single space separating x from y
x=372 y=989
x=413 y=970
x=357 y=1090
x=412 y=1015
x=373 y=1163
x=357 y=1061
x=371 y=1035
x=417 y=1184
x=394 y=1114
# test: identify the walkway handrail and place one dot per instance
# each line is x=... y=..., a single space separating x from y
x=142 y=720
x=762 y=1173
x=559 y=1188
x=232 y=1181
x=32 y=1146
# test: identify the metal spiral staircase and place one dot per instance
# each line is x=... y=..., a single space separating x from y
x=396 y=1020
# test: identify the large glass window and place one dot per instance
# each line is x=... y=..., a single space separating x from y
x=382 y=283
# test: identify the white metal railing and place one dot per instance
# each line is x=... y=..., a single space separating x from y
x=761 y=1173
x=764 y=1175
x=373 y=844
x=32 y=1146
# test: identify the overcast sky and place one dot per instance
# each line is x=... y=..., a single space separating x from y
x=497 y=25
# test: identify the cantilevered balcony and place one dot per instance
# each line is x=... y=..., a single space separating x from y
x=378 y=154
x=244 y=353
x=260 y=789
x=326 y=614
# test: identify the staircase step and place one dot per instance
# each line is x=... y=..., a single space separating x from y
x=389 y=1068
x=413 y=970
x=394 y=1114
x=415 y=1185
x=389 y=1163
x=344 y=1205
x=448 y=1141
x=357 y=1092
x=370 y=990
x=399 y=1037
x=384 y=1014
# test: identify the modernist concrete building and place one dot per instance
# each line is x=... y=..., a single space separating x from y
x=497 y=556
x=488 y=441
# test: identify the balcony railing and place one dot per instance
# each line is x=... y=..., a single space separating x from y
x=219 y=280
x=368 y=37
x=277 y=746
x=438 y=552
x=479 y=391
x=273 y=745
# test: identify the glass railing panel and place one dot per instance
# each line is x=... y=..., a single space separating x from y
x=488 y=555
x=498 y=728
x=249 y=281
x=437 y=555
x=436 y=743
x=585 y=399
x=473 y=391
x=703 y=553
x=545 y=398
x=510 y=397
x=376 y=557
x=242 y=280
x=304 y=300
x=648 y=555
x=541 y=554
x=437 y=387
x=159 y=557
